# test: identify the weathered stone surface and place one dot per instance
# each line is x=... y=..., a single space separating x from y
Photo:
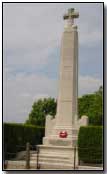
x=66 y=119
x=59 y=142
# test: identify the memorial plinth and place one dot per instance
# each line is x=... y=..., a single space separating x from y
x=57 y=151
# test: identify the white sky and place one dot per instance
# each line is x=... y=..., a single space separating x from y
x=31 y=53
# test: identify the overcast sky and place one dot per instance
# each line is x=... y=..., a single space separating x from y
x=31 y=52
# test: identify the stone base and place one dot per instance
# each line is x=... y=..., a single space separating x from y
x=58 y=153
x=60 y=141
x=55 y=140
x=56 y=157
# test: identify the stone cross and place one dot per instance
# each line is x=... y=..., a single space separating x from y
x=71 y=15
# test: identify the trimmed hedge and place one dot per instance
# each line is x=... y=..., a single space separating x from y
x=19 y=134
x=90 y=144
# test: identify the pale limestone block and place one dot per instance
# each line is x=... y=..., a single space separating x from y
x=83 y=121
x=49 y=124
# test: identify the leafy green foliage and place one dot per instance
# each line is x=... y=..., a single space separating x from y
x=90 y=144
x=40 y=109
x=92 y=106
x=18 y=135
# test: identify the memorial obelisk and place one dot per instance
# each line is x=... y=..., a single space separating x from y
x=66 y=116
x=57 y=151
x=68 y=82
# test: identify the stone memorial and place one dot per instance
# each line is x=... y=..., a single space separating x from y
x=57 y=151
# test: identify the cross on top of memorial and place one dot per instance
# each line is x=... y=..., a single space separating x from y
x=71 y=15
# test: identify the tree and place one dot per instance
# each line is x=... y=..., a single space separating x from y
x=40 y=109
x=89 y=104
x=92 y=106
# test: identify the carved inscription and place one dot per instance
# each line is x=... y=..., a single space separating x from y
x=59 y=142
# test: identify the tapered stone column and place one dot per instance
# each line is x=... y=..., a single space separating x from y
x=66 y=117
x=57 y=151
x=68 y=82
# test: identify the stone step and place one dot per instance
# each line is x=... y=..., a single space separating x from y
x=49 y=158
x=54 y=155
x=67 y=161
x=33 y=165
x=54 y=166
